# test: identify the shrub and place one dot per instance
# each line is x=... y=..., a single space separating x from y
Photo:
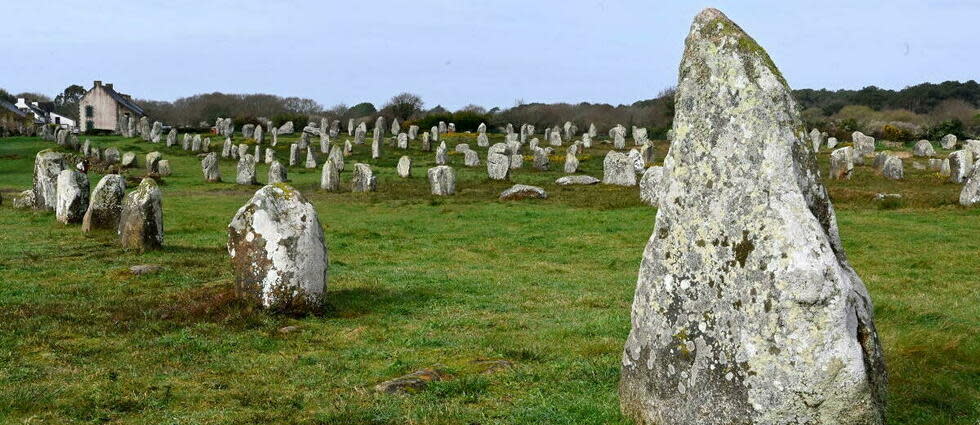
x=299 y=120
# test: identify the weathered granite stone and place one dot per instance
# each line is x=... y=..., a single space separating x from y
x=141 y=219
x=746 y=309
x=172 y=137
x=471 y=158
x=554 y=137
x=923 y=148
x=275 y=136
x=426 y=144
x=310 y=158
x=209 y=166
x=576 y=180
x=293 y=154
x=521 y=191
x=270 y=155
x=593 y=132
x=960 y=165
x=73 y=195
x=153 y=161
x=498 y=162
x=571 y=161
x=974 y=147
x=330 y=176
x=404 y=167
x=462 y=147
x=350 y=127
x=541 y=160
x=248 y=130
x=413 y=382
x=242 y=150
x=24 y=200
x=442 y=180
x=936 y=164
x=649 y=184
x=640 y=136
x=648 y=153
x=163 y=168
x=277 y=250
x=970 y=194
x=395 y=127
x=246 y=170
x=196 y=143
x=106 y=204
x=451 y=128
x=413 y=132
x=864 y=146
x=145 y=128
x=816 y=138
x=617 y=169
x=348 y=148
x=516 y=161
x=586 y=141
x=111 y=156
x=434 y=134
x=442 y=158
x=258 y=135
x=47 y=165
x=637 y=160
x=363 y=179
x=156 y=132
x=948 y=141
x=831 y=142
x=277 y=173
x=359 y=134
x=285 y=129
x=879 y=161
x=131 y=128
x=482 y=128
x=618 y=136
x=892 y=168
x=841 y=163
x=377 y=145
x=442 y=128
x=402 y=141
x=337 y=155
x=128 y=160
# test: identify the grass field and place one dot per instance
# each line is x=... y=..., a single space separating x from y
x=418 y=281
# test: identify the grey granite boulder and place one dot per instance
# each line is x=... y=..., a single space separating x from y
x=246 y=170
x=498 y=163
x=892 y=168
x=618 y=169
x=209 y=166
x=471 y=158
x=521 y=191
x=442 y=180
x=330 y=175
x=576 y=180
x=842 y=163
x=73 y=196
x=163 y=168
x=948 y=141
x=277 y=250
x=746 y=310
x=649 y=184
x=105 y=205
x=404 y=167
x=128 y=160
x=363 y=179
x=970 y=194
x=960 y=165
x=277 y=173
x=141 y=218
x=541 y=160
x=153 y=161
x=47 y=165
x=923 y=148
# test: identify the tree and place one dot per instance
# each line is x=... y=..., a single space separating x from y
x=476 y=109
x=66 y=103
x=362 y=109
x=5 y=95
x=403 y=106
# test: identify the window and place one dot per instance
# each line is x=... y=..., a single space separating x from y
x=89 y=125
x=89 y=111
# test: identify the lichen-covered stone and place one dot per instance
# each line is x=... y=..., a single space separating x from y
x=293 y=154
x=960 y=165
x=330 y=175
x=277 y=173
x=864 y=146
x=209 y=166
x=831 y=142
x=948 y=141
x=892 y=168
x=105 y=205
x=363 y=179
x=923 y=148
x=277 y=250
x=337 y=155
x=576 y=180
x=404 y=167
x=47 y=165
x=163 y=168
x=442 y=180
x=523 y=191
x=402 y=141
x=72 y=196
x=286 y=128
x=310 y=158
x=649 y=184
x=637 y=160
x=571 y=161
x=24 y=200
x=471 y=158
x=172 y=137
x=541 y=160
x=618 y=169
x=141 y=219
x=498 y=162
x=441 y=157
x=746 y=309
x=246 y=171
x=842 y=163
x=128 y=160
x=970 y=194
x=816 y=138
x=153 y=161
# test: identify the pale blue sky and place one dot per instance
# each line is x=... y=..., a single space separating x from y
x=456 y=52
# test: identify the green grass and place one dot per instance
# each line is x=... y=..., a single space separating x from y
x=417 y=281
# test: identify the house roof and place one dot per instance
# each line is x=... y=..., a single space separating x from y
x=10 y=107
x=124 y=101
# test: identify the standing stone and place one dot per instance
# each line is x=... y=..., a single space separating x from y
x=586 y=141
x=293 y=155
x=402 y=140
x=304 y=141
x=363 y=179
x=520 y=191
x=970 y=194
x=310 y=158
x=892 y=168
x=831 y=142
x=864 y=146
x=111 y=156
x=257 y=135
x=640 y=136
x=647 y=153
x=974 y=147
x=960 y=165
x=649 y=184
x=286 y=128
x=48 y=165
x=498 y=162
x=172 y=137
x=451 y=128
x=516 y=160
x=153 y=162
x=275 y=136
x=426 y=144
x=442 y=127
x=359 y=134
x=334 y=128
x=277 y=173
x=923 y=148
x=145 y=128
x=571 y=161
x=746 y=310
x=441 y=157
x=248 y=130
x=330 y=176
x=350 y=127
x=128 y=160
x=242 y=150
x=337 y=155
x=619 y=137
x=554 y=138
x=156 y=132
x=72 y=199
x=404 y=167
x=593 y=132
x=122 y=126
x=141 y=219
x=471 y=158
x=442 y=180
x=816 y=138
x=246 y=170
x=570 y=130
x=637 y=160
x=842 y=163
x=482 y=140
x=277 y=250
x=226 y=149
x=434 y=134
x=948 y=141
x=377 y=145
x=413 y=132
x=106 y=204
x=395 y=128
x=131 y=128
x=617 y=169
x=185 y=143
x=163 y=168
x=348 y=148
x=541 y=160
x=196 y=143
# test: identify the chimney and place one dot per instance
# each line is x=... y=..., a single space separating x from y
x=98 y=83
x=108 y=86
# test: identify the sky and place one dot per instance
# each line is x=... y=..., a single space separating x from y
x=459 y=52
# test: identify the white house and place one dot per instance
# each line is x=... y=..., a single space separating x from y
x=44 y=113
